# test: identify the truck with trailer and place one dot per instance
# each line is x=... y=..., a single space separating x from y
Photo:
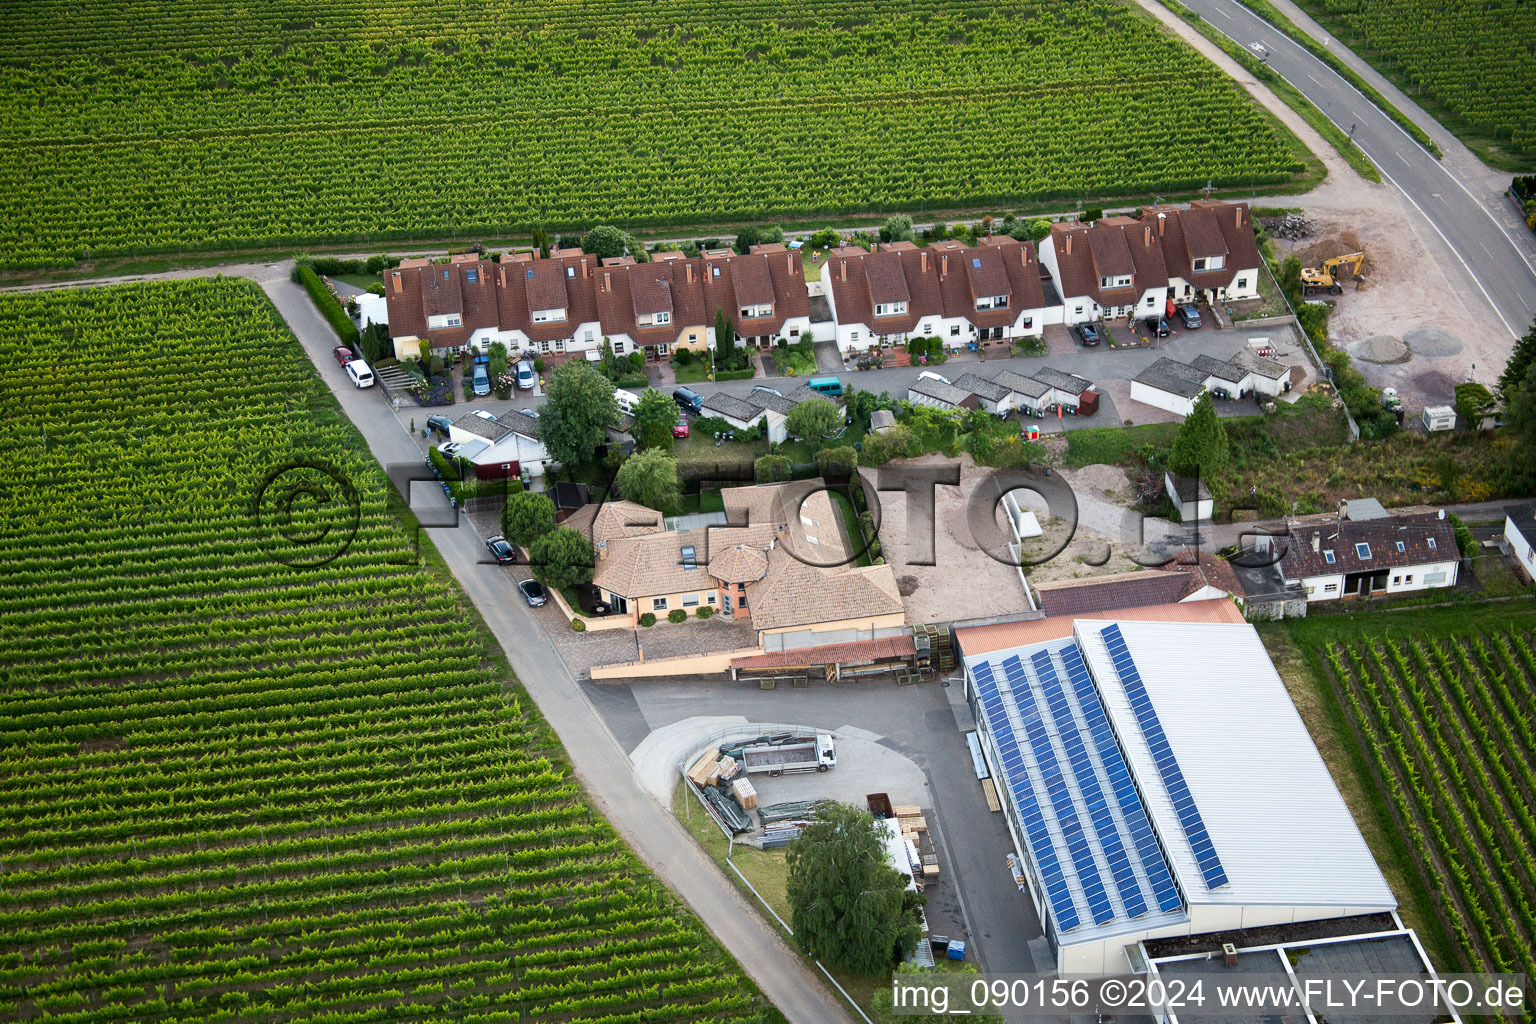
x=778 y=755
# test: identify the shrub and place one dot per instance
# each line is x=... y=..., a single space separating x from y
x=836 y=465
x=676 y=615
x=329 y=308
x=705 y=611
x=578 y=625
x=771 y=469
x=711 y=425
x=1465 y=542
x=647 y=620
x=538 y=365
x=683 y=358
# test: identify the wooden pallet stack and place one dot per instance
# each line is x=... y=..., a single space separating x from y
x=914 y=829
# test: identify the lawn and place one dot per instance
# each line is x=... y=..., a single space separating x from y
x=363 y=281
x=1424 y=718
x=695 y=371
x=294 y=776
x=229 y=128
x=1272 y=299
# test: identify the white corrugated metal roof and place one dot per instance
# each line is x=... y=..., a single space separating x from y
x=1278 y=823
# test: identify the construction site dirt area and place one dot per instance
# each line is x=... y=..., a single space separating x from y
x=964 y=581
x=1403 y=324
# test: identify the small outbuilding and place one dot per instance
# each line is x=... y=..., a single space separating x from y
x=1190 y=496
x=1439 y=417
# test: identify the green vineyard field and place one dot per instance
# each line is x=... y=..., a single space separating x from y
x=153 y=127
x=1440 y=711
x=256 y=760
x=1467 y=63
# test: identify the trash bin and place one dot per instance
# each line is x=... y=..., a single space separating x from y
x=957 y=949
x=940 y=943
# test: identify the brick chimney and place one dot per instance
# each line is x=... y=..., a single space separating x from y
x=843 y=270
x=1162 y=222
x=607 y=281
x=1023 y=255
x=944 y=265
x=925 y=261
x=1146 y=235
x=1317 y=541
x=1239 y=211
x=1068 y=236
x=583 y=268
x=690 y=273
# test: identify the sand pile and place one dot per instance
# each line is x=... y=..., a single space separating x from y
x=1380 y=348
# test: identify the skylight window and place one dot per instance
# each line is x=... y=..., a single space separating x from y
x=1401 y=546
x=689 y=560
x=976 y=262
x=1431 y=542
x=1362 y=551
x=1328 y=556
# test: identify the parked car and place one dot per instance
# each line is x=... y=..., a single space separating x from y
x=1190 y=316
x=533 y=593
x=482 y=381
x=930 y=375
x=1088 y=334
x=450 y=450
x=680 y=428
x=361 y=375
x=688 y=400
x=501 y=549
x=526 y=378
x=485 y=415
x=343 y=355
x=832 y=386
x=439 y=425
x=765 y=389
x=1157 y=326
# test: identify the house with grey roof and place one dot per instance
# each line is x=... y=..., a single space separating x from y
x=749 y=414
x=990 y=395
x=1355 y=552
x=940 y=393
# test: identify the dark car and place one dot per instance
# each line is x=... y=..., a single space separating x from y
x=533 y=593
x=680 y=428
x=501 y=549
x=1157 y=326
x=1088 y=334
x=439 y=425
x=688 y=400
x=343 y=355
x=1190 y=316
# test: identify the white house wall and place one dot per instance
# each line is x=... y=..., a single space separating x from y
x=1519 y=546
x=1317 y=586
x=1160 y=399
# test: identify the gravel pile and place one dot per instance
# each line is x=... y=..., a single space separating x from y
x=1432 y=341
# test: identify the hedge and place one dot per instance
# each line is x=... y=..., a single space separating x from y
x=329 y=307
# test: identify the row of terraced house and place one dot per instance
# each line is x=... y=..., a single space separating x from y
x=567 y=304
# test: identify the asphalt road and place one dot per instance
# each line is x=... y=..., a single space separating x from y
x=1496 y=264
x=596 y=757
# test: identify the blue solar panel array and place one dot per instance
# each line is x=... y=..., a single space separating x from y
x=1034 y=705
x=1167 y=765
x=1088 y=782
x=1056 y=891
x=1164 y=891
x=1055 y=784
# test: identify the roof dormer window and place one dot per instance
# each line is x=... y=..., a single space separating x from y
x=1208 y=263
x=1119 y=281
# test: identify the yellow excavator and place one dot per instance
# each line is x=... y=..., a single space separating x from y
x=1327 y=277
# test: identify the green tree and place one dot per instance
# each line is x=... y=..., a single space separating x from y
x=848 y=907
x=1465 y=542
x=655 y=415
x=1471 y=399
x=836 y=465
x=541 y=242
x=561 y=558
x=1200 y=448
x=771 y=469
x=725 y=338
x=897 y=228
x=579 y=408
x=606 y=242
x=813 y=419
x=826 y=238
x=1520 y=360
x=649 y=478
x=526 y=517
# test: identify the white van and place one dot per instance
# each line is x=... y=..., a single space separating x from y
x=361 y=375
x=628 y=401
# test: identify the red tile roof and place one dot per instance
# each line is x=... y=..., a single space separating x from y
x=976 y=640
x=939 y=280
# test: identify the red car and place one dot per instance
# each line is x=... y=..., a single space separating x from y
x=343 y=355
x=680 y=428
